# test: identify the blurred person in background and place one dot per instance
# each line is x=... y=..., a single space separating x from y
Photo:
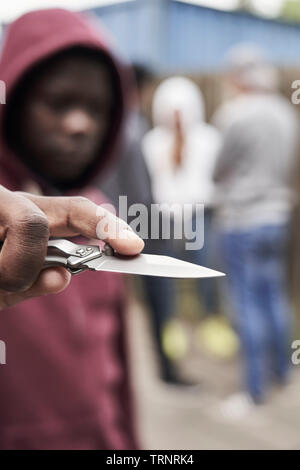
x=66 y=384
x=255 y=199
x=180 y=152
x=130 y=177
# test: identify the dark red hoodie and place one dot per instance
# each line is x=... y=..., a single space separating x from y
x=65 y=384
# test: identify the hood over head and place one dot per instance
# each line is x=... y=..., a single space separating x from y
x=30 y=41
x=178 y=94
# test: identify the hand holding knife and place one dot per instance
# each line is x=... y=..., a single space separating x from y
x=28 y=221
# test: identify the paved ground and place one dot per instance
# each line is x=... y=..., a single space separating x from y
x=172 y=418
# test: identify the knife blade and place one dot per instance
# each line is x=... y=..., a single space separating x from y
x=151 y=265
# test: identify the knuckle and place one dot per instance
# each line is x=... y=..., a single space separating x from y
x=27 y=236
x=26 y=216
x=72 y=209
x=32 y=225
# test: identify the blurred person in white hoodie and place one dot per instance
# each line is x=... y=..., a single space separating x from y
x=180 y=152
x=255 y=199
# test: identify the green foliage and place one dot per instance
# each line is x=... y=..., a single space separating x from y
x=291 y=11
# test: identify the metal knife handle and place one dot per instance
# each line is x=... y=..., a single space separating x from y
x=70 y=255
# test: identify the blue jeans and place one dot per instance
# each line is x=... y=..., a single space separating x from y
x=256 y=269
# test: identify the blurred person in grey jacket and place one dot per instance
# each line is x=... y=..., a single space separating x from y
x=255 y=199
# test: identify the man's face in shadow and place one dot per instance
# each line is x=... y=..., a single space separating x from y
x=66 y=115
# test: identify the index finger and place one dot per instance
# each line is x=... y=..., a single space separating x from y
x=71 y=216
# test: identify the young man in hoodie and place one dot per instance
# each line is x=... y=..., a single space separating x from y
x=65 y=384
